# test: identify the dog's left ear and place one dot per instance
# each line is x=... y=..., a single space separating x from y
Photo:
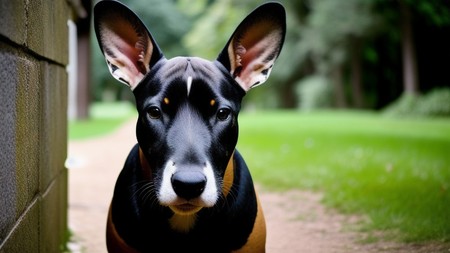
x=253 y=48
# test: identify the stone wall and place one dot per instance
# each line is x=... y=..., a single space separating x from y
x=33 y=125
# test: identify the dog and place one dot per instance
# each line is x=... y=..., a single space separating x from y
x=184 y=187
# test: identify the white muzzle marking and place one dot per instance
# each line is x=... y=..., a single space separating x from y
x=168 y=197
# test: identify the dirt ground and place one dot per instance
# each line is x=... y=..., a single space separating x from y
x=296 y=220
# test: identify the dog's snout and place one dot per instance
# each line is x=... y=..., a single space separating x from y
x=188 y=184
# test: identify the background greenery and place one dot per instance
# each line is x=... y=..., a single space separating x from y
x=105 y=118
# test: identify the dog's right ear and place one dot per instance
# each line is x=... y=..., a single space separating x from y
x=129 y=49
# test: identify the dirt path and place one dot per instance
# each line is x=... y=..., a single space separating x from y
x=296 y=220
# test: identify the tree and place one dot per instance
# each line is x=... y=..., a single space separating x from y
x=335 y=32
x=408 y=16
x=410 y=74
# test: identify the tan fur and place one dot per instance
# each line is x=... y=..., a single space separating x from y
x=228 y=177
x=114 y=242
x=146 y=170
x=256 y=242
x=182 y=223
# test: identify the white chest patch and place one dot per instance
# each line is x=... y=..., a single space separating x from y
x=182 y=223
x=189 y=85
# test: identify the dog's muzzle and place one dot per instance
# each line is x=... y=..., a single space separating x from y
x=188 y=187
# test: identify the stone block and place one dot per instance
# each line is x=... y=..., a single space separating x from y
x=53 y=219
x=8 y=190
x=27 y=130
x=19 y=109
x=53 y=122
x=13 y=20
x=33 y=123
x=25 y=235
x=47 y=31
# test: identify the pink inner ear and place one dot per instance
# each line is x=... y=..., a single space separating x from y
x=127 y=48
x=256 y=40
x=127 y=45
x=252 y=54
x=253 y=51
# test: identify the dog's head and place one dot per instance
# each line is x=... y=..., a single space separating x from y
x=188 y=107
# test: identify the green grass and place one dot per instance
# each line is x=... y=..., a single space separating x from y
x=395 y=171
x=104 y=118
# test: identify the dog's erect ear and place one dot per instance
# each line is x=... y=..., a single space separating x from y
x=255 y=45
x=129 y=49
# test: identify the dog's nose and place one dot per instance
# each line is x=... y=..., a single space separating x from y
x=188 y=184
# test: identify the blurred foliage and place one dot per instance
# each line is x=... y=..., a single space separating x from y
x=354 y=44
x=314 y=92
x=435 y=12
x=404 y=106
x=212 y=30
x=328 y=32
x=434 y=103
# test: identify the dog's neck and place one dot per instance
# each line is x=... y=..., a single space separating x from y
x=182 y=223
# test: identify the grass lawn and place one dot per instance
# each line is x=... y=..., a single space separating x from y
x=395 y=171
x=105 y=117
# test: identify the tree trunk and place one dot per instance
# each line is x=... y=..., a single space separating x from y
x=339 y=91
x=83 y=94
x=410 y=75
x=288 y=99
x=355 y=73
x=286 y=92
x=83 y=60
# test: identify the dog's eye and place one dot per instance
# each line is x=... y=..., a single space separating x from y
x=223 y=114
x=154 y=112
